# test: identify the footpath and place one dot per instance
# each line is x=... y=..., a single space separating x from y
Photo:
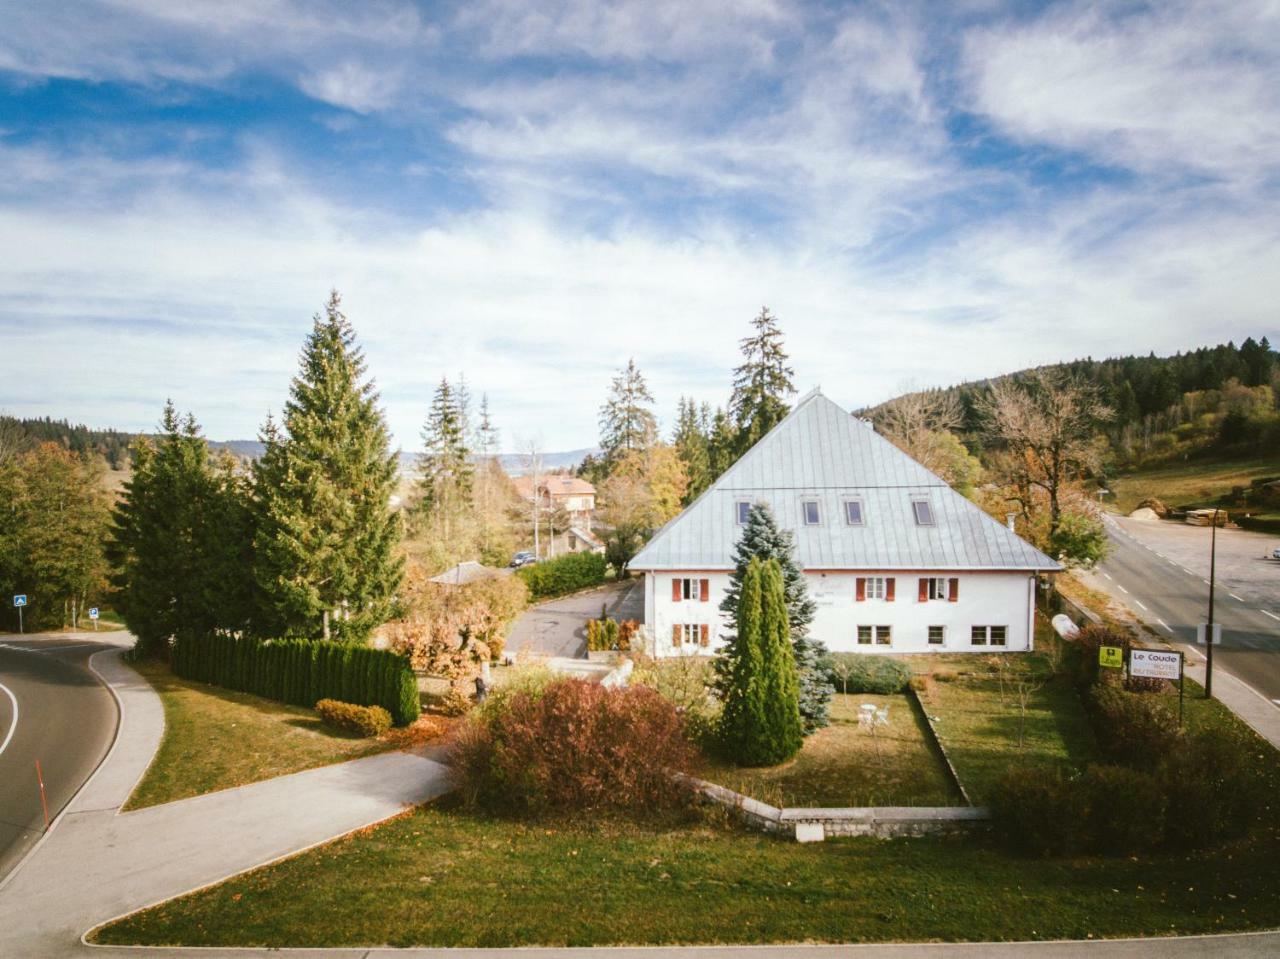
x=97 y=863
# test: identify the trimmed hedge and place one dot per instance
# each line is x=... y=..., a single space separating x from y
x=564 y=574
x=301 y=671
x=367 y=721
x=866 y=673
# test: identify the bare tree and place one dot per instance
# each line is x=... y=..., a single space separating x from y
x=531 y=455
x=922 y=424
x=1049 y=423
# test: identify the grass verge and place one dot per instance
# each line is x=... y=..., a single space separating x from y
x=1199 y=482
x=441 y=877
x=216 y=738
x=847 y=765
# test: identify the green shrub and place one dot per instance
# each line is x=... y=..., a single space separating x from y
x=1088 y=641
x=1125 y=809
x=1213 y=788
x=564 y=574
x=365 y=720
x=1039 y=811
x=1132 y=728
x=301 y=671
x=866 y=673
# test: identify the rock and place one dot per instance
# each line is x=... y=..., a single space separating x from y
x=1154 y=505
x=1144 y=513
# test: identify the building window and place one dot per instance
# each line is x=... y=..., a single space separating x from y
x=689 y=588
x=924 y=512
x=989 y=635
x=882 y=635
x=691 y=634
x=937 y=587
x=744 y=507
x=812 y=515
x=852 y=512
x=875 y=587
x=937 y=635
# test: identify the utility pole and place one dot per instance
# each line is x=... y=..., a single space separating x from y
x=1213 y=560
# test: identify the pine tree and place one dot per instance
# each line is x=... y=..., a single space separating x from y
x=486 y=433
x=760 y=724
x=445 y=464
x=690 y=442
x=326 y=559
x=762 y=540
x=722 y=444
x=761 y=384
x=626 y=422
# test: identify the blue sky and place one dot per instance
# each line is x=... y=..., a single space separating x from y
x=532 y=193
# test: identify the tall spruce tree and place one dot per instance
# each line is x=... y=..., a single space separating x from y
x=447 y=471
x=181 y=540
x=627 y=423
x=762 y=383
x=326 y=559
x=760 y=724
x=690 y=442
x=762 y=540
x=722 y=444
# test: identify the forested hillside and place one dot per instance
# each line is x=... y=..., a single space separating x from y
x=20 y=435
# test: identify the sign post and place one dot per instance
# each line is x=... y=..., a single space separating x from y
x=19 y=601
x=1158 y=664
x=1213 y=564
x=93 y=615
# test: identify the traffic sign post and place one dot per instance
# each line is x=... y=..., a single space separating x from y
x=93 y=615
x=20 y=601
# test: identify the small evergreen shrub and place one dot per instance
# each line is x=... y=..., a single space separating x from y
x=1039 y=812
x=564 y=574
x=1213 y=788
x=1125 y=809
x=867 y=673
x=367 y=721
x=1132 y=728
x=571 y=746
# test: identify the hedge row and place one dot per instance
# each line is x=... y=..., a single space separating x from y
x=564 y=574
x=301 y=671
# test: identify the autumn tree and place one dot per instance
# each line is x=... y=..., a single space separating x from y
x=627 y=423
x=922 y=424
x=326 y=558
x=762 y=384
x=644 y=491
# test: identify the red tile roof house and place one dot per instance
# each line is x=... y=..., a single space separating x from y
x=575 y=495
x=895 y=559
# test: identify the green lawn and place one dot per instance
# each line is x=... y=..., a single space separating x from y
x=1198 y=482
x=441 y=877
x=215 y=738
x=846 y=765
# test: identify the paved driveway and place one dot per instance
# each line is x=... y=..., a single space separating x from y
x=559 y=627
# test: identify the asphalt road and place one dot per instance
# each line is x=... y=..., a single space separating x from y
x=52 y=708
x=1174 y=600
x=559 y=627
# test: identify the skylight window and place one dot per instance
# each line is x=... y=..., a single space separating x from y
x=853 y=512
x=744 y=508
x=924 y=512
x=812 y=515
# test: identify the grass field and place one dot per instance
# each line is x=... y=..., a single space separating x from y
x=441 y=877
x=1198 y=482
x=216 y=738
x=845 y=765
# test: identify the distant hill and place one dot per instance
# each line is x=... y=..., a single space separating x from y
x=111 y=445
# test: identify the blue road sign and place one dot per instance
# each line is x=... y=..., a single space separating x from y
x=93 y=612
x=20 y=599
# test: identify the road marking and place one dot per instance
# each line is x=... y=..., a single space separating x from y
x=45 y=648
x=1164 y=624
x=14 y=725
x=1206 y=582
x=1122 y=589
x=1235 y=597
x=1267 y=612
x=1107 y=575
x=1141 y=603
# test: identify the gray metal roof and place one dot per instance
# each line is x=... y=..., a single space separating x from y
x=819 y=452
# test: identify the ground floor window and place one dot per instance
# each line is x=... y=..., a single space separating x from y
x=937 y=635
x=879 y=635
x=691 y=634
x=989 y=635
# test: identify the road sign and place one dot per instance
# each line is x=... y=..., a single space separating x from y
x=1110 y=656
x=93 y=612
x=20 y=599
x=1155 y=663
x=1203 y=628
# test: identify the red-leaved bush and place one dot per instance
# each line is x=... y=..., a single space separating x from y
x=572 y=746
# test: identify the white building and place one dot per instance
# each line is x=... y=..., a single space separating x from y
x=896 y=560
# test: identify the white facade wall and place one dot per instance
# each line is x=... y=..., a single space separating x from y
x=985 y=598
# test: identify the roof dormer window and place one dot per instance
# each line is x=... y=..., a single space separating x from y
x=812 y=514
x=742 y=509
x=924 y=512
x=853 y=512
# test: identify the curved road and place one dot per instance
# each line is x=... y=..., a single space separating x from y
x=65 y=717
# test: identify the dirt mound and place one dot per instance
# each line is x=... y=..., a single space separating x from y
x=1144 y=512
x=1154 y=505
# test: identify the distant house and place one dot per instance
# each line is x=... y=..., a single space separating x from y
x=579 y=540
x=576 y=496
x=895 y=559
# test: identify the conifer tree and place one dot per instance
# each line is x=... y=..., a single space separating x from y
x=326 y=559
x=446 y=466
x=690 y=442
x=722 y=444
x=627 y=423
x=761 y=384
x=760 y=724
x=763 y=540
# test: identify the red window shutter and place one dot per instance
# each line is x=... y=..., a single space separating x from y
x=677 y=634
x=675 y=591
x=706 y=633
x=860 y=590
x=706 y=592
x=888 y=589
x=955 y=589
x=924 y=590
